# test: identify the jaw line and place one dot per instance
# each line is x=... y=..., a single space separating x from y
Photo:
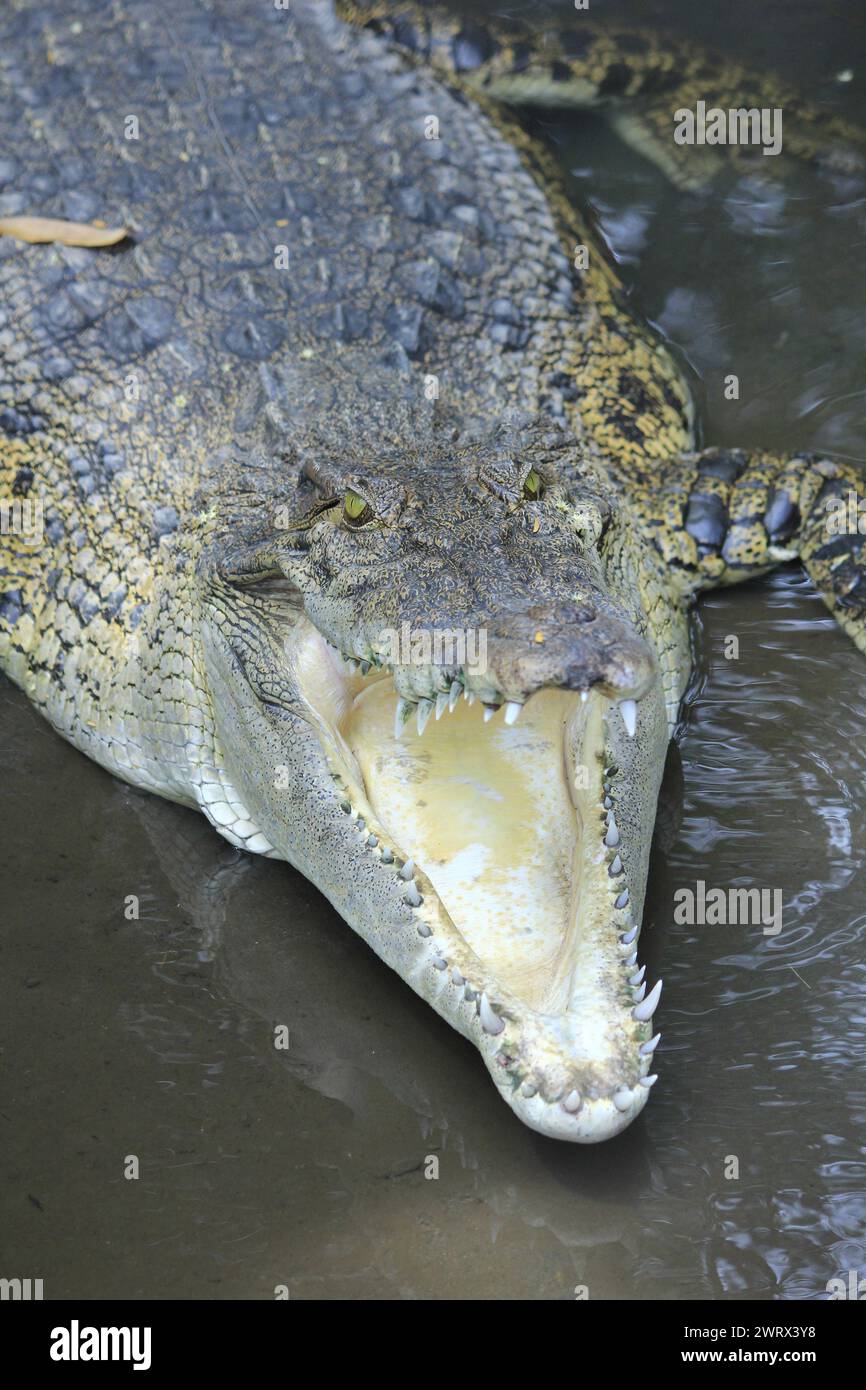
x=575 y=1064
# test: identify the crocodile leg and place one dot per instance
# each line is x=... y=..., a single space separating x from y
x=724 y=515
x=637 y=78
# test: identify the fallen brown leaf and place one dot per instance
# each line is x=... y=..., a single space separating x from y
x=41 y=229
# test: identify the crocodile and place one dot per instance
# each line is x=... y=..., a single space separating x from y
x=345 y=499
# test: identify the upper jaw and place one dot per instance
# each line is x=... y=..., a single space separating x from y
x=575 y=1062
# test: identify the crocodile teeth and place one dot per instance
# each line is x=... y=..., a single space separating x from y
x=470 y=697
x=649 y=1080
x=622 y=900
x=352 y=666
x=413 y=897
x=639 y=993
x=628 y=937
x=489 y=711
x=490 y=1021
x=407 y=870
x=404 y=710
x=441 y=705
x=628 y=710
x=572 y=1102
x=365 y=667
x=584 y=696
x=636 y=979
x=425 y=708
x=454 y=695
x=622 y=1098
x=611 y=839
x=616 y=866
x=512 y=711
x=643 y=1012
x=648 y=1048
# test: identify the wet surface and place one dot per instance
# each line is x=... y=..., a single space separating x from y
x=308 y=1167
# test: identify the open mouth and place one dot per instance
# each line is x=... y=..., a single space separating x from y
x=502 y=829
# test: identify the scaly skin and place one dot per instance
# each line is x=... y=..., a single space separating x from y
x=192 y=416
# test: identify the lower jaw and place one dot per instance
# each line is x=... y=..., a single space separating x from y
x=515 y=885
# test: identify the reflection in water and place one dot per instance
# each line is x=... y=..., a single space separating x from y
x=307 y=1166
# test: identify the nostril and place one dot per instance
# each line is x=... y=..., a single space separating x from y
x=563 y=615
x=573 y=614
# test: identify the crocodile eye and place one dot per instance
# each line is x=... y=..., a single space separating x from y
x=533 y=487
x=356 y=512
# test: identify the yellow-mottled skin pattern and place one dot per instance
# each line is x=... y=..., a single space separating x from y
x=125 y=371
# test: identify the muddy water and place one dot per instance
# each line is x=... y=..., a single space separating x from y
x=306 y=1167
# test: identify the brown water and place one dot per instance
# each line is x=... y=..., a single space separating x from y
x=306 y=1168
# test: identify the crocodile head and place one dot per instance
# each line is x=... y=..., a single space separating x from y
x=441 y=649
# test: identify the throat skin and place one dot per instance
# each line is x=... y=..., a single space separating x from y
x=472 y=860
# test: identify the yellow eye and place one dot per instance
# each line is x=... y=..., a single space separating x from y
x=355 y=510
x=533 y=486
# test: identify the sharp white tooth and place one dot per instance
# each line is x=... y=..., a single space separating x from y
x=441 y=705
x=365 y=667
x=628 y=937
x=643 y=1012
x=512 y=711
x=424 y=709
x=490 y=1021
x=611 y=839
x=572 y=1102
x=584 y=696
x=631 y=961
x=408 y=869
x=454 y=695
x=648 y=1048
x=616 y=866
x=649 y=1080
x=352 y=666
x=636 y=979
x=456 y=977
x=470 y=697
x=622 y=1098
x=489 y=711
x=628 y=710
x=622 y=900
x=413 y=897
x=404 y=710
x=639 y=993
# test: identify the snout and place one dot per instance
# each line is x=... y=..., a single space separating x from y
x=570 y=645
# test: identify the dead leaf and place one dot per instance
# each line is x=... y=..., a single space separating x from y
x=42 y=229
